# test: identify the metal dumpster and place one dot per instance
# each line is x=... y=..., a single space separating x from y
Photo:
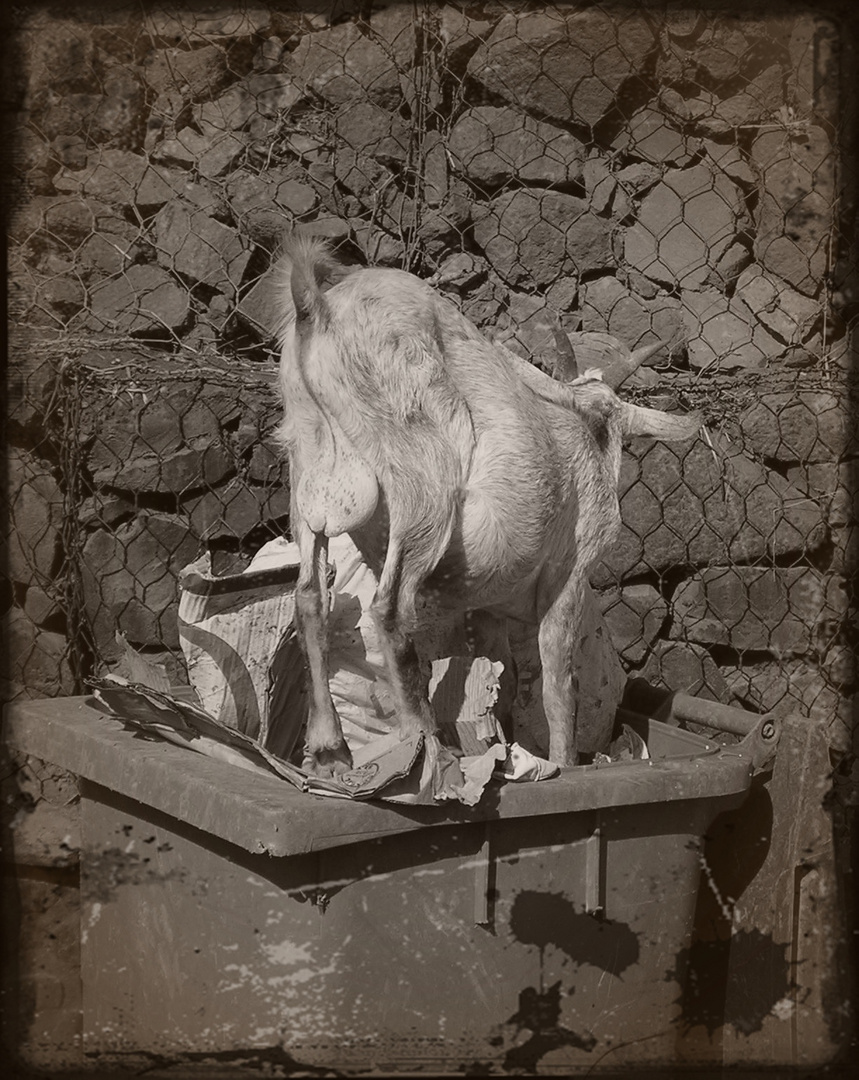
x=542 y=930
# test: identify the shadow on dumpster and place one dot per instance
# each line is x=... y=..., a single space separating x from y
x=541 y=919
x=755 y=967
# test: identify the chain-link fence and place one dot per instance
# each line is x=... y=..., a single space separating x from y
x=658 y=174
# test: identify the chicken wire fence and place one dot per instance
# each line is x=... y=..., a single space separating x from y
x=664 y=176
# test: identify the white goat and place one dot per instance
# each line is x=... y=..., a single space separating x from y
x=468 y=479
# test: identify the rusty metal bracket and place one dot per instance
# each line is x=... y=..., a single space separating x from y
x=760 y=732
x=760 y=744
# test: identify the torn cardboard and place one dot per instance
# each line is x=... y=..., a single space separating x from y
x=244 y=663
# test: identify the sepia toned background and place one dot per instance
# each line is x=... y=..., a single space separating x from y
x=663 y=173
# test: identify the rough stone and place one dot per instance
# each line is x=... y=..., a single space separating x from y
x=723 y=335
x=683 y=504
x=711 y=115
x=64 y=217
x=56 y=301
x=600 y=183
x=35 y=518
x=794 y=213
x=297 y=198
x=533 y=324
x=684 y=225
x=120 y=114
x=756 y=103
x=144 y=299
x=199 y=465
x=268 y=464
x=533 y=237
x=609 y=306
x=119 y=177
x=260 y=307
x=720 y=50
x=59 y=55
x=796 y=687
x=72 y=114
x=839 y=666
x=341 y=64
x=104 y=508
x=38 y=659
x=687 y=669
x=637 y=178
x=787 y=611
x=254 y=205
x=228 y=113
x=494 y=145
x=196 y=73
x=236 y=509
x=563 y=67
x=375 y=132
x=40 y=606
x=129 y=426
x=728 y=267
x=111 y=249
x=806 y=426
x=843 y=489
x=192 y=243
x=378 y=247
x=652 y=135
x=393 y=27
x=211 y=152
x=436 y=181
x=785 y=312
x=634 y=616
x=731 y=160
x=130 y=580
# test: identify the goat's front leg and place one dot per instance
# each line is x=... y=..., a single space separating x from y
x=558 y=638
x=408 y=678
x=325 y=750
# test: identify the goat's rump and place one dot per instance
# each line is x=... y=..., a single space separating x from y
x=392 y=386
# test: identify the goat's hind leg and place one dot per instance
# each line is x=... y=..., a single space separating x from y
x=325 y=749
x=560 y=626
x=393 y=610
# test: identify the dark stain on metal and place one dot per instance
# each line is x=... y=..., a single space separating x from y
x=539 y=1013
x=705 y=968
x=270 y=1061
x=111 y=868
x=542 y=919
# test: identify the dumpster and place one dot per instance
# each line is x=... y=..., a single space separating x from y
x=542 y=930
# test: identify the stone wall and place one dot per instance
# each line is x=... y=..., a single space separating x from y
x=660 y=175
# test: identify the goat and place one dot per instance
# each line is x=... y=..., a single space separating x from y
x=469 y=480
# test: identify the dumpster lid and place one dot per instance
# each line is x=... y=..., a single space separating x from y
x=262 y=814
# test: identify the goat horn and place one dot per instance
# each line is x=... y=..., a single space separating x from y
x=566 y=366
x=621 y=370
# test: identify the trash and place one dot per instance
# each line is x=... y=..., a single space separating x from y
x=247 y=677
x=627 y=746
x=520 y=764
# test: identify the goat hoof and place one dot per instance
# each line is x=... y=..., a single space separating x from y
x=327 y=763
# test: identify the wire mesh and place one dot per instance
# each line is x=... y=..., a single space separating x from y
x=657 y=174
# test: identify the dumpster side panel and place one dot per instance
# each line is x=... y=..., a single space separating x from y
x=524 y=943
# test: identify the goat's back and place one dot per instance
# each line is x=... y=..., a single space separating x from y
x=475 y=468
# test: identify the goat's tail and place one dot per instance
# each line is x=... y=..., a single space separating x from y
x=637 y=420
x=305 y=269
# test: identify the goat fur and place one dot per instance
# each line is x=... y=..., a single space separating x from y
x=468 y=479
